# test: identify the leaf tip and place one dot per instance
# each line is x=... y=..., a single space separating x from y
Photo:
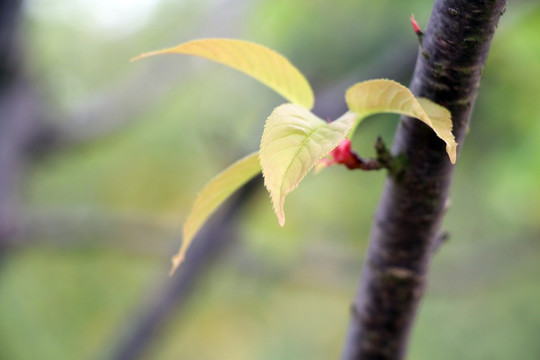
x=278 y=203
x=279 y=211
x=148 y=54
x=451 y=149
x=176 y=262
x=138 y=57
x=141 y=56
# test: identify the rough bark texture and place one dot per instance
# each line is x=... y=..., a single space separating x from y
x=448 y=71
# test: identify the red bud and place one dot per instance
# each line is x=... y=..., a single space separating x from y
x=415 y=26
x=342 y=152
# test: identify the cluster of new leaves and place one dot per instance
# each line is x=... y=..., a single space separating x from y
x=294 y=139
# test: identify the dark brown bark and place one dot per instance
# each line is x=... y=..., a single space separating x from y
x=407 y=222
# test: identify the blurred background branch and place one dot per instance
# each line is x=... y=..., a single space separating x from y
x=213 y=241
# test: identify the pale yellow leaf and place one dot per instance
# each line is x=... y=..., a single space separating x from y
x=260 y=62
x=441 y=121
x=213 y=195
x=378 y=96
x=293 y=141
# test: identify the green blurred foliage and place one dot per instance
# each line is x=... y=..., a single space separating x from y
x=279 y=293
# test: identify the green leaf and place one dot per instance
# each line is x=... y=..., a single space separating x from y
x=378 y=96
x=293 y=141
x=213 y=195
x=259 y=62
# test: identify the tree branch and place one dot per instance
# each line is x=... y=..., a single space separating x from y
x=448 y=71
x=18 y=113
x=211 y=242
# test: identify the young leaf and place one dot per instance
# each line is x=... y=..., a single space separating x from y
x=259 y=62
x=376 y=96
x=293 y=141
x=441 y=119
x=213 y=194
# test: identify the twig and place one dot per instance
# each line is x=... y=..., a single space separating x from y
x=383 y=160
